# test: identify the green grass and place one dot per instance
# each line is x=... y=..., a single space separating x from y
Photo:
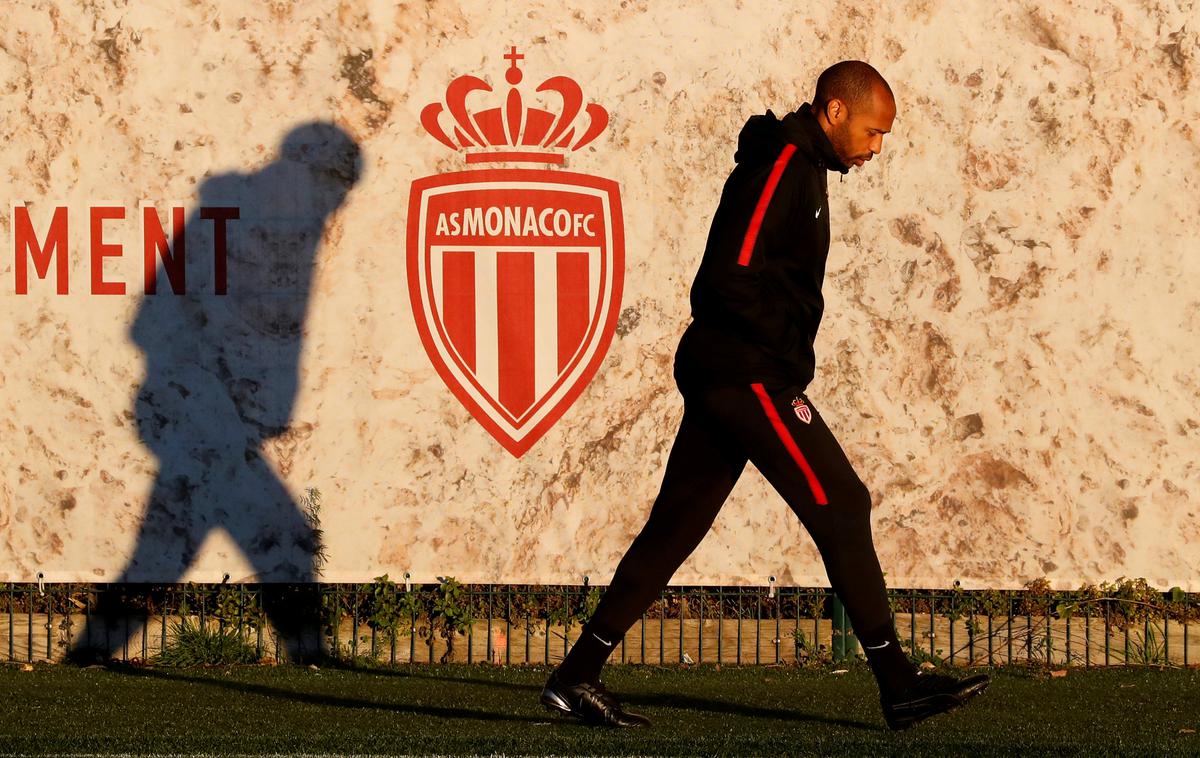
x=459 y=709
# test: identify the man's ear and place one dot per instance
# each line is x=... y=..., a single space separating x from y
x=834 y=109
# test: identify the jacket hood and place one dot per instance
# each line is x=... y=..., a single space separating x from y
x=764 y=136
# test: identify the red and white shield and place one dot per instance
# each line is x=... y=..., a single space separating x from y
x=803 y=412
x=515 y=279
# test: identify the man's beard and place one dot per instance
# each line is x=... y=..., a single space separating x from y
x=840 y=139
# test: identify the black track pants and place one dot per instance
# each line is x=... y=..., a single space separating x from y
x=781 y=433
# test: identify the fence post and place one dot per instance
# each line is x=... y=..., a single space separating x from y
x=845 y=646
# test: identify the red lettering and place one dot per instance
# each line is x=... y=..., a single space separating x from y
x=102 y=250
x=219 y=216
x=27 y=243
x=155 y=243
x=156 y=247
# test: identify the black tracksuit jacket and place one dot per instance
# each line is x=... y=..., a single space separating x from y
x=756 y=301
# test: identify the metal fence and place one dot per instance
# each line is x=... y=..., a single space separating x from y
x=385 y=622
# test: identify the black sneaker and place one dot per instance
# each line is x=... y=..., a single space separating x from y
x=930 y=695
x=590 y=702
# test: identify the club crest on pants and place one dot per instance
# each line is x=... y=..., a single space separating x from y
x=803 y=412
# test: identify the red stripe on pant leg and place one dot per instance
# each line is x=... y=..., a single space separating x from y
x=764 y=200
x=786 y=438
x=573 y=305
x=458 y=303
x=514 y=301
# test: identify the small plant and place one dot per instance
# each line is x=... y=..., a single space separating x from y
x=1035 y=638
x=233 y=606
x=995 y=603
x=198 y=645
x=974 y=631
x=958 y=607
x=808 y=653
x=590 y=600
x=1037 y=598
x=920 y=655
x=573 y=608
x=1178 y=607
x=811 y=605
x=450 y=613
x=314 y=543
x=381 y=605
x=1147 y=648
x=1131 y=601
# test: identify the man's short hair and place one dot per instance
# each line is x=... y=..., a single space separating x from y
x=849 y=81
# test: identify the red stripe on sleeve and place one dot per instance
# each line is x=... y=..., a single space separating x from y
x=764 y=200
x=786 y=438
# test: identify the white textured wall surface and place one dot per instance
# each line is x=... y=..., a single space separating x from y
x=1009 y=352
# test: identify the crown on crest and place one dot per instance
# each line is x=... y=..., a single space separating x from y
x=529 y=133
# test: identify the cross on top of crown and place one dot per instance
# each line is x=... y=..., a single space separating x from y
x=513 y=74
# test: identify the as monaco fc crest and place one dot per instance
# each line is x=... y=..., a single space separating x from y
x=515 y=274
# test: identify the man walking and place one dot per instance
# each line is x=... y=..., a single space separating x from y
x=742 y=367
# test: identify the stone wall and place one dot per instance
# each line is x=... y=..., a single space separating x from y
x=1008 y=354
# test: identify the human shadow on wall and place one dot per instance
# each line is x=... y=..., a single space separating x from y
x=222 y=374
